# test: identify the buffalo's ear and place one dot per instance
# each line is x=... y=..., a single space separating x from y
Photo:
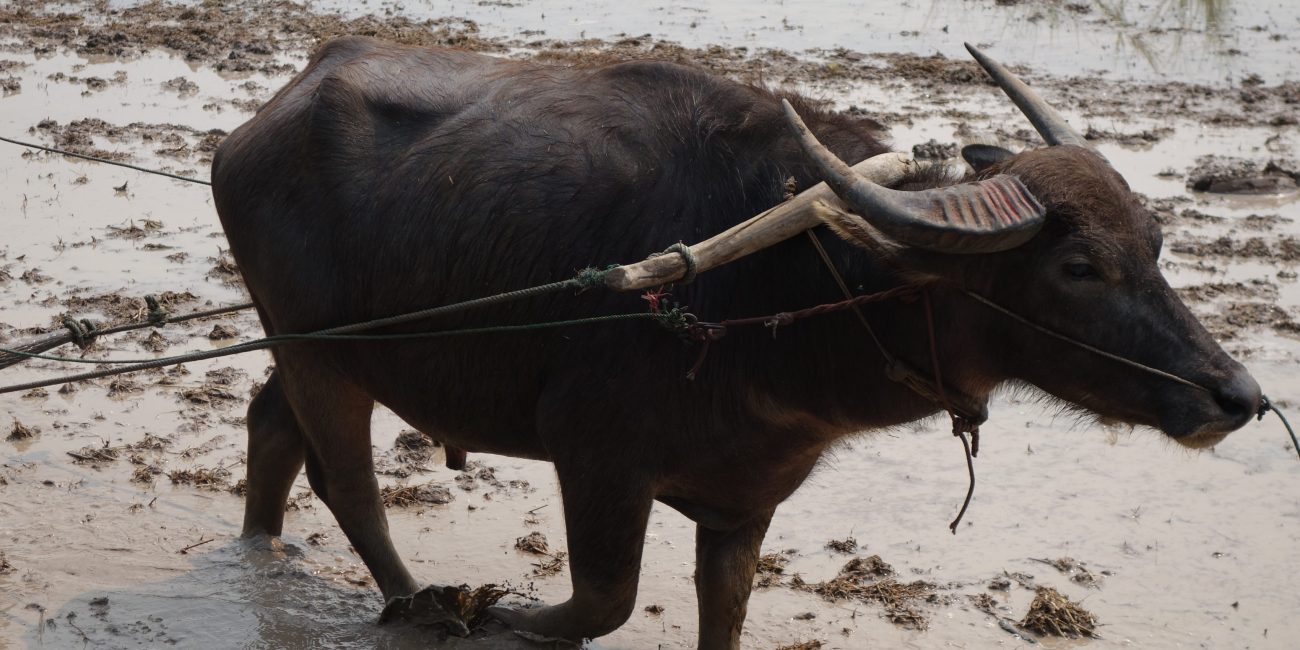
x=983 y=156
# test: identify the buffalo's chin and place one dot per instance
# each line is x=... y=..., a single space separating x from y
x=1200 y=433
x=1202 y=439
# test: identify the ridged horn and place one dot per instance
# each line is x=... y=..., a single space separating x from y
x=987 y=216
x=1049 y=123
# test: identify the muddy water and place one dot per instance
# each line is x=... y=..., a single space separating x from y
x=1192 y=549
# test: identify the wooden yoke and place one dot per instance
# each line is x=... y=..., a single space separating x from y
x=778 y=224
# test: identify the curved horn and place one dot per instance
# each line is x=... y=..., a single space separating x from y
x=1049 y=124
x=987 y=216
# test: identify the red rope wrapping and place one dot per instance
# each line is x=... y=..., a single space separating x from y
x=789 y=317
x=706 y=333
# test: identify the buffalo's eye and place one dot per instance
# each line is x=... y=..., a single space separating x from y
x=1080 y=270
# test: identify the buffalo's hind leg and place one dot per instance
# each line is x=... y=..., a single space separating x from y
x=605 y=515
x=334 y=416
x=725 y=562
x=275 y=456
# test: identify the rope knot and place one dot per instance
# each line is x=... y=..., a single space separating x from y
x=592 y=277
x=782 y=319
x=157 y=315
x=83 y=331
x=688 y=258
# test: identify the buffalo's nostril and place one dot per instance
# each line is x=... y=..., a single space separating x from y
x=1238 y=397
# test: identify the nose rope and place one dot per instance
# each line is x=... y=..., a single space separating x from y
x=1080 y=344
x=1266 y=405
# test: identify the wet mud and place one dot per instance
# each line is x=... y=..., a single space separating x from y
x=121 y=498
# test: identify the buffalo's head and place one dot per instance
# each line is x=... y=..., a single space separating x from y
x=1056 y=241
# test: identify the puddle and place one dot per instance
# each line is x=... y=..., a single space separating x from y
x=1191 y=549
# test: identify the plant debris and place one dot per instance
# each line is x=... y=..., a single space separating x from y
x=771 y=568
x=868 y=580
x=1053 y=614
x=215 y=478
x=144 y=474
x=550 y=567
x=93 y=454
x=533 y=542
x=402 y=496
x=149 y=442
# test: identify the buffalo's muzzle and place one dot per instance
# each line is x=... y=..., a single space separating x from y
x=1237 y=399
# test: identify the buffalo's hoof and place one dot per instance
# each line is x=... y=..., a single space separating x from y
x=428 y=606
x=520 y=621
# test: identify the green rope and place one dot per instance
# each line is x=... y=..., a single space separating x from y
x=105 y=161
x=280 y=339
x=583 y=280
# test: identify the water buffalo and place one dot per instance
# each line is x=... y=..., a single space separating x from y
x=384 y=179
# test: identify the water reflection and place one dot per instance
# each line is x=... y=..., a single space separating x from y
x=1202 y=38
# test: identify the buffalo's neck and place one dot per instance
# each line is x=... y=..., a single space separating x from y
x=828 y=366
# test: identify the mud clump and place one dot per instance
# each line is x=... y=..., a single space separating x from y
x=412 y=440
x=402 y=496
x=132 y=231
x=155 y=342
x=222 y=332
x=20 y=431
x=1209 y=291
x=935 y=150
x=1075 y=569
x=118 y=308
x=1139 y=139
x=217 y=389
x=1053 y=614
x=238 y=36
x=1225 y=175
x=1282 y=249
x=225 y=270
x=848 y=545
x=459 y=610
x=813 y=644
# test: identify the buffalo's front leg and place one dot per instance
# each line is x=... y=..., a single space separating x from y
x=725 y=561
x=605 y=515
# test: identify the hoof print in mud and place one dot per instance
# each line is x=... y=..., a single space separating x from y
x=458 y=610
